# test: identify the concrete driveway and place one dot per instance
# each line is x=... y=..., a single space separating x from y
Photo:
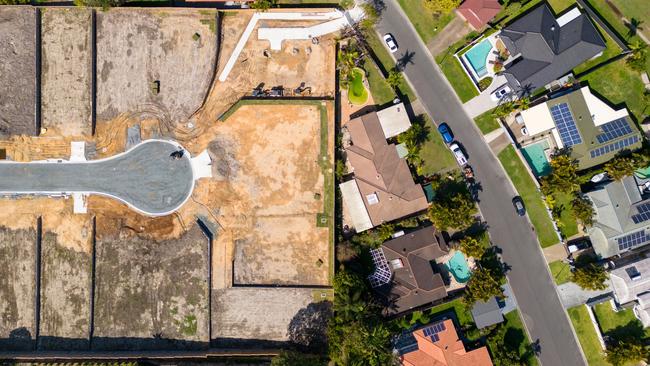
x=145 y=177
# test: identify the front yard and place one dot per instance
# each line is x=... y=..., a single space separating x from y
x=565 y=220
x=587 y=336
x=486 y=122
x=560 y=271
x=387 y=62
x=457 y=77
x=436 y=157
x=426 y=23
x=530 y=194
x=619 y=324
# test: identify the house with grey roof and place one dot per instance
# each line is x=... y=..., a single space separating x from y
x=544 y=48
x=486 y=313
x=622 y=220
x=631 y=284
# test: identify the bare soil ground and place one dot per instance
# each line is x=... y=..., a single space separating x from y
x=66 y=70
x=150 y=293
x=17 y=71
x=66 y=248
x=136 y=47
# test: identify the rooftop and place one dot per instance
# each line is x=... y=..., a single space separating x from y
x=487 y=313
x=631 y=280
x=479 y=12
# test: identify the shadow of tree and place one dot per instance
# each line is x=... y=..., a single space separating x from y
x=633 y=329
x=308 y=327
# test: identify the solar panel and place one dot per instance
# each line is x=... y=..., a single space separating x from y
x=565 y=124
x=643 y=213
x=382 y=274
x=614 y=129
x=615 y=146
x=632 y=240
x=433 y=330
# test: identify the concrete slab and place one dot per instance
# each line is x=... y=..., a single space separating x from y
x=573 y=295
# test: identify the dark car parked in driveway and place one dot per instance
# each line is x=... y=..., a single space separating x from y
x=519 y=205
x=446 y=133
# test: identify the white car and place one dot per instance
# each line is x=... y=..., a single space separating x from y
x=460 y=156
x=390 y=42
x=500 y=93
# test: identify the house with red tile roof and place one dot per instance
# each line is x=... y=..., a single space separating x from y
x=438 y=345
x=478 y=12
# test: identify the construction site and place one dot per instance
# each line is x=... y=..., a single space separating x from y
x=218 y=236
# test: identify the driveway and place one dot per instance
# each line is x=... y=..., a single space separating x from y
x=540 y=306
x=145 y=177
x=573 y=295
x=483 y=102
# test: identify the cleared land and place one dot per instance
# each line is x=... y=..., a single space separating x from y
x=138 y=47
x=17 y=71
x=150 y=293
x=66 y=70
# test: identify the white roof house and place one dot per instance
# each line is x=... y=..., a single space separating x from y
x=631 y=283
x=394 y=120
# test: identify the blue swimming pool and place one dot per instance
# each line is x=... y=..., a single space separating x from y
x=536 y=158
x=477 y=57
x=458 y=267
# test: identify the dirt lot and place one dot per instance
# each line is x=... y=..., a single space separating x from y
x=136 y=47
x=150 y=293
x=17 y=71
x=66 y=70
x=66 y=249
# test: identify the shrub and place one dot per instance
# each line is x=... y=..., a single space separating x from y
x=485 y=83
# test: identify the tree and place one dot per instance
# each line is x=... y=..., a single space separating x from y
x=626 y=351
x=348 y=58
x=371 y=16
x=590 y=277
x=505 y=351
x=340 y=170
x=472 y=247
x=293 y=358
x=441 y=6
x=455 y=212
x=414 y=137
x=624 y=165
x=14 y=2
x=263 y=5
x=563 y=177
x=583 y=210
x=104 y=4
x=482 y=286
x=638 y=55
x=394 y=78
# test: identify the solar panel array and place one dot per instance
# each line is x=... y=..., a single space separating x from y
x=565 y=124
x=633 y=240
x=618 y=145
x=614 y=129
x=433 y=330
x=643 y=213
x=382 y=274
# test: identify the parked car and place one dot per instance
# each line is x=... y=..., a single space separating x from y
x=390 y=42
x=460 y=156
x=579 y=244
x=500 y=93
x=519 y=206
x=446 y=133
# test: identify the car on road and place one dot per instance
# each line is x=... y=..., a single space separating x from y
x=446 y=133
x=460 y=156
x=390 y=42
x=501 y=92
x=519 y=206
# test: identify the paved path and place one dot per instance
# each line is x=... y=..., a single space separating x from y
x=145 y=177
x=572 y=295
x=529 y=278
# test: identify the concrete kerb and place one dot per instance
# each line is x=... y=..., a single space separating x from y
x=539 y=248
x=68 y=193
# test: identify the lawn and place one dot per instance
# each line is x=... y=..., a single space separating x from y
x=387 y=63
x=516 y=334
x=486 y=122
x=462 y=314
x=457 y=77
x=567 y=223
x=635 y=9
x=531 y=196
x=560 y=271
x=587 y=336
x=619 y=324
x=381 y=92
x=357 y=93
x=426 y=23
x=435 y=155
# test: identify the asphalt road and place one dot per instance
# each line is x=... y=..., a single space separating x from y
x=531 y=283
x=145 y=177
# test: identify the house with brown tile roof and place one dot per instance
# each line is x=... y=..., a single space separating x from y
x=478 y=12
x=438 y=344
x=383 y=189
x=406 y=273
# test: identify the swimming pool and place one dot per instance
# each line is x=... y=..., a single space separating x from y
x=536 y=158
x=477 y=57
x=458 y=267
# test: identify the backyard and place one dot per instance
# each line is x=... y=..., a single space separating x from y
x=528 y=191
x=357 y=93
x=565 y=220
x=587 y=336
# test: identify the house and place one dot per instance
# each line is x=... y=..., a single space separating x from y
x=478 y=12
x=404 y=269
x=487 y=313
x=579 y=120
x=544 y=48
x=631 y=284
x=622 y=220
x=382 y=188
x=438 y=344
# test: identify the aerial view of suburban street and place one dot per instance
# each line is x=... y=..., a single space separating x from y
x=325 y=182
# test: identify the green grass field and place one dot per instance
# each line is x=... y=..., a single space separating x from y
x=357 y=93
x=567 y=223
x=587 y=336
x=560 y=271
x=435 y=155
x=388 y=63
x=619 y=324
x=531 y=196
x=457 y=77
x=426 y=23
x=486 y=122
x=381 y=92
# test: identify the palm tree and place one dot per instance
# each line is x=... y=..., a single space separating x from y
x=394 y=78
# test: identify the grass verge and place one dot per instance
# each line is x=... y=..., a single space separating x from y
x=587 y=336
x=453 y=70
x=529 y=193
x=560 y=271
x=387 y=63
x=381 y=92
x=486 y=122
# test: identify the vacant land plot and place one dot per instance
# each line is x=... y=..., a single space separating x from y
x=243 y=315
x=150 y=293
x=279 y=181
x=66 y=70
x=17 y=283
x=154 y=62
x=65 y=281
x=17 y=71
